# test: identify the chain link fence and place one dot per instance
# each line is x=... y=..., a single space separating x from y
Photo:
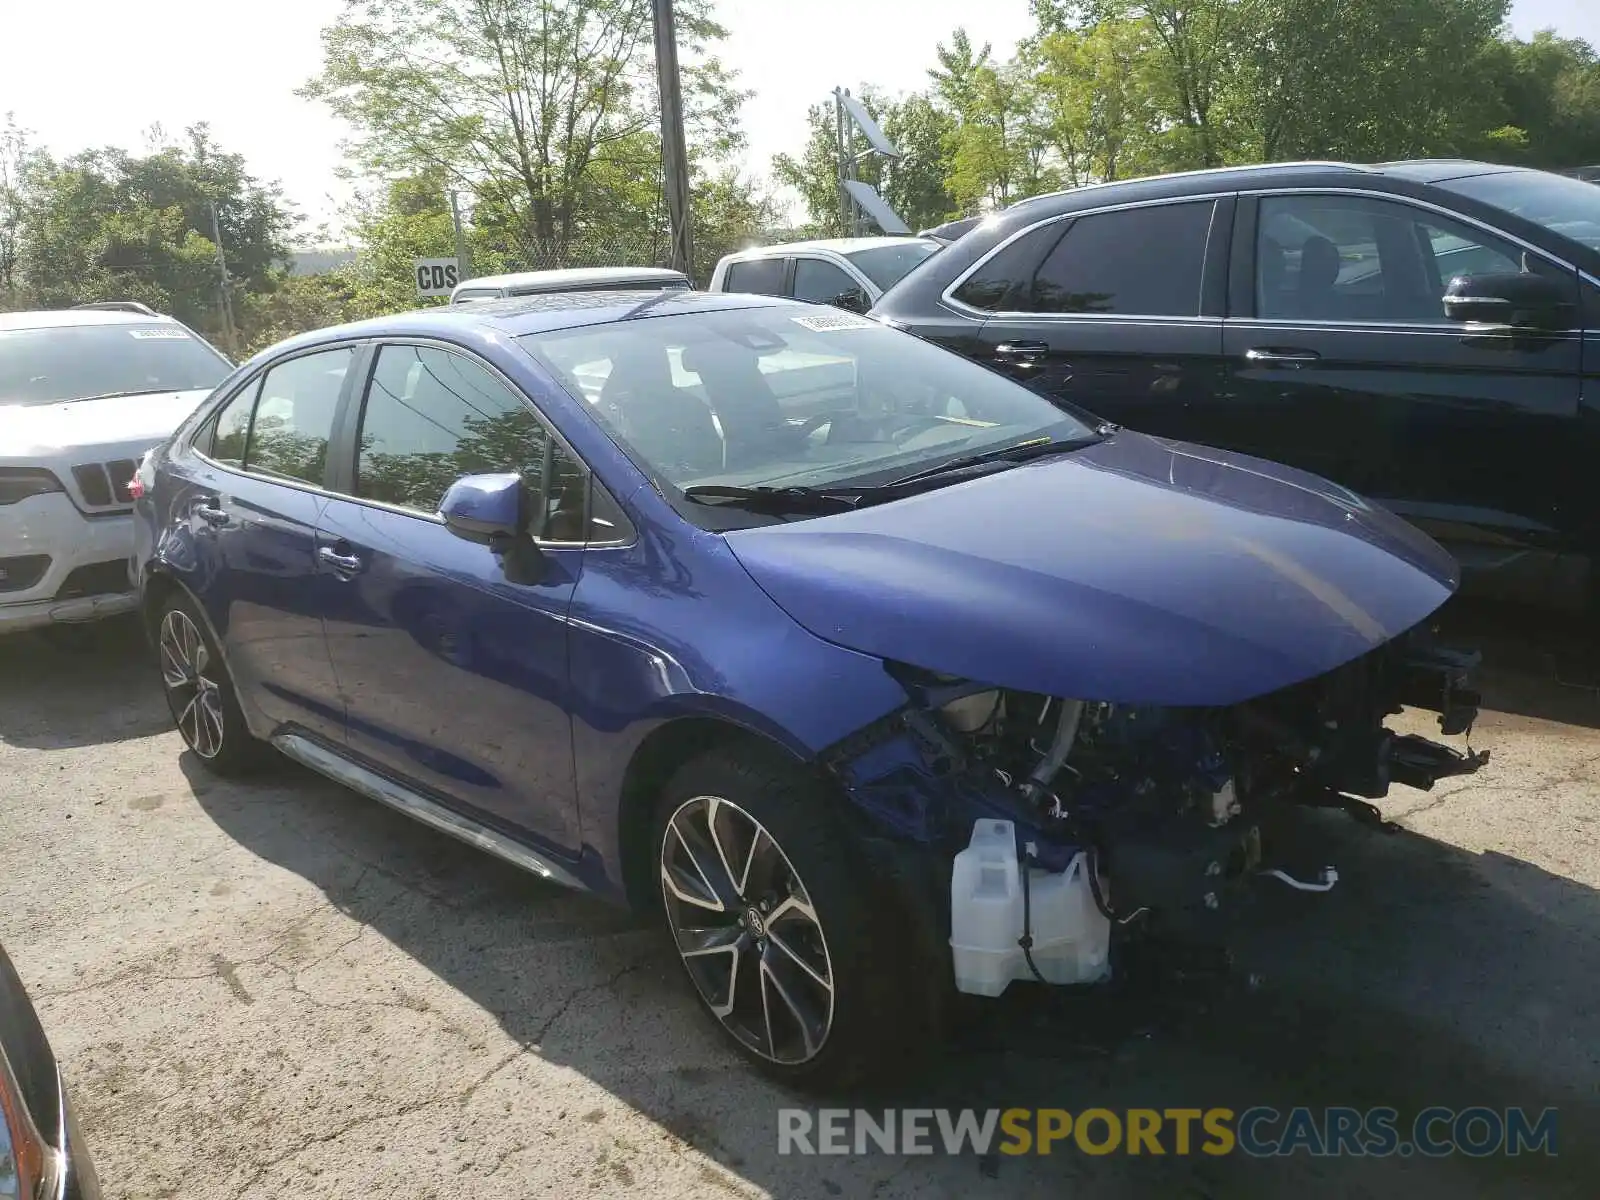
x=635 y=250
x=599 y=251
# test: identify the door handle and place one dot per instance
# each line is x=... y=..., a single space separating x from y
x=1023 y=351
x=209 y=512
x=1023 y=354
x=343 y=564
x=1269 y=356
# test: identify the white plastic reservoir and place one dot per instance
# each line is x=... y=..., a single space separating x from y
x=1071 y=937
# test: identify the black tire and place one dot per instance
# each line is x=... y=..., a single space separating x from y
x=874 y=1029
x=200 y=693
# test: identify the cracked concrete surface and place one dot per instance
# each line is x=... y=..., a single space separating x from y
x=279 y=989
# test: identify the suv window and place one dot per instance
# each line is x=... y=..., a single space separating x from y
x=292 y=419
x=820 y=282
x=763 y=276
x=1357 y=258
x=1002 y=283
x=432 y=416
x=1140 y=261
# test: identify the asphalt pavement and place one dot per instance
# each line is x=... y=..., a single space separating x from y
x=277 y=988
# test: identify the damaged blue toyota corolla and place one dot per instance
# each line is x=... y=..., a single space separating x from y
x=877 y=676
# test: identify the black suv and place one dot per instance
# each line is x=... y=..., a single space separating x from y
x=1426 y=333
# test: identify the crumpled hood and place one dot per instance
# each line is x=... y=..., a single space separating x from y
x=1137 y=571
x=44 y=430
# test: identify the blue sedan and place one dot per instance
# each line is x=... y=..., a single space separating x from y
x=873 y=674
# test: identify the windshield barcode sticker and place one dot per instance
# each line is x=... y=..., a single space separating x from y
x=142 y=334
x=826 y=322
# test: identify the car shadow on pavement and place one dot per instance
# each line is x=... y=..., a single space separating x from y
x=102 y=687
x=1430 y=976
x=1537 y=664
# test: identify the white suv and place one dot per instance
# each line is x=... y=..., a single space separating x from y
x=847 y=272
x=84 y=392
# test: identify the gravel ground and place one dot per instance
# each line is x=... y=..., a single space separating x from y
x=280 y=989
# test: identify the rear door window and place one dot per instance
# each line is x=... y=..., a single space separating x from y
x=1003 y=282
x=820 y=282
x=1137 y=261
x=763 y=276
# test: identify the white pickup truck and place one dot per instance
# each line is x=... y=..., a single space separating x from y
x=84 y=392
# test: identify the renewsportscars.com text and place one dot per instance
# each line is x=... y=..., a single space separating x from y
x=1258 y=1132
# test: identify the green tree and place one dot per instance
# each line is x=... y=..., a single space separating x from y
x=913 y=184
x=1096 y=99
x=15 y=154
x=994 y=152
x=1415 y=85
x=729 y=213
x=106 y=224
x=1549 y=101
x=544 y=109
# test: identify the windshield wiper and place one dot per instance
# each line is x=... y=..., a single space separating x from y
x=114 y=395
x=781 y=499
x=1017 y=452
x=844 y=497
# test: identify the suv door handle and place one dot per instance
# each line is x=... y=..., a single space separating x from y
x=1028 y=355
x=1272 y=356
x=343 y=564
x=209 y=512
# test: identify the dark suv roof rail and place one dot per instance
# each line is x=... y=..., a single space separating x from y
x=132 y=306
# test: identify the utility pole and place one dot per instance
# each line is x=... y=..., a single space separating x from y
x=847 y=212
x=463 y=254
x=674 y=153
x=224 y=299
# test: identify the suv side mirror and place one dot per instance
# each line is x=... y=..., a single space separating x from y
x=855 y=300
x=491 y=510
x=1510 y=300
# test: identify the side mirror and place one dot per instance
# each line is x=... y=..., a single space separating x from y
x=491 y=510
x=1510 y=300
x=855 y=300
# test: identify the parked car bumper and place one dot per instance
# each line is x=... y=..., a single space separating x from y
x=40 y=1138
x=59 y=567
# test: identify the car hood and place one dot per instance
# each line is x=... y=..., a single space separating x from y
x=42 y=430
x=1136 y=570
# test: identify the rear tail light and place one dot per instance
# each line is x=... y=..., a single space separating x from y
x=30 y=1168
x=19 y=483
x=144 y=477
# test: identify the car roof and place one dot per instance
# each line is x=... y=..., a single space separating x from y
x=66 y=318
x=837 y=245
x=516 y=316
x=571 y=278
x=1437 y=170
x=1184 y=183
x=1254 y=175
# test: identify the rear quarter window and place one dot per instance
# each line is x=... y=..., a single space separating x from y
x=762 y=276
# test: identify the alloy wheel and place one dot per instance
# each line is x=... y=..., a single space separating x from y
x=747 y=930
x=194 y=696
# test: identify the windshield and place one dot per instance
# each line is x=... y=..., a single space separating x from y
x=789 y=397
x=887 y=265
x=74 y=362
x=1566 y=206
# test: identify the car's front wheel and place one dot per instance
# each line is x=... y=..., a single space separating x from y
x=778 y=925
x=200 y=692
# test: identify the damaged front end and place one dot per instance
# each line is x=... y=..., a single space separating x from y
x=1051 y=821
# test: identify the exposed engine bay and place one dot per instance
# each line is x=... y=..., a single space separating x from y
x=1157 y=811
